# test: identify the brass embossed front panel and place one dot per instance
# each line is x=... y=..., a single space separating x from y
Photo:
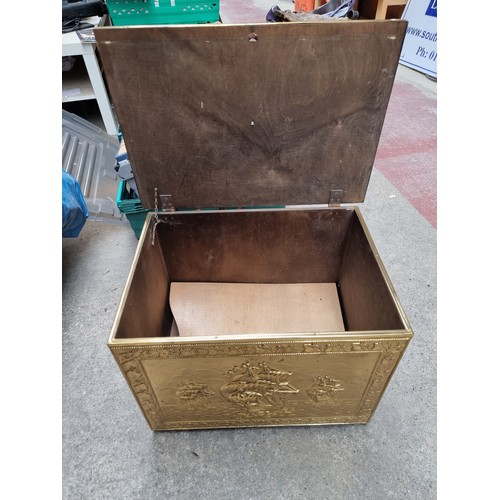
x=260 y=383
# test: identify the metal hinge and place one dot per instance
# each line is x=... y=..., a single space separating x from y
x=166 y=202
x=335 y=197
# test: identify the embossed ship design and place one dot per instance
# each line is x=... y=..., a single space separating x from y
x=324 y=389
x=257 y=386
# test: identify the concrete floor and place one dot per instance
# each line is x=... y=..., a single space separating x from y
x=110 y=452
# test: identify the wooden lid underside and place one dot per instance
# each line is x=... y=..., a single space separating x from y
x=251 y=115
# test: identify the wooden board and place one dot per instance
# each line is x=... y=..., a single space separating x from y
x=249 y=115
x=241 y=308
x=257 y=246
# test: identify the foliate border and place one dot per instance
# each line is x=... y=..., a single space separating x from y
x=130 y=358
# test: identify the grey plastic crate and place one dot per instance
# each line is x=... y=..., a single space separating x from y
x=88 y=154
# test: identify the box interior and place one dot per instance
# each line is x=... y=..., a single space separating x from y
x=257 y=246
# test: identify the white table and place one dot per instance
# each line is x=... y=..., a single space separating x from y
x=85 y=80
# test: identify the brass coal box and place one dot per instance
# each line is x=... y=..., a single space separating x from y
x=252 y=144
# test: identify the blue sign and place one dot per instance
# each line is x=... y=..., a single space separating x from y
x=420 y=44
x=432 y=9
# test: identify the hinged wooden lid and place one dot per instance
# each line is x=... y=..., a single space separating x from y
x=250 y=115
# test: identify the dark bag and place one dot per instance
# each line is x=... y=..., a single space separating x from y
x=332 y=10
x=74 y=208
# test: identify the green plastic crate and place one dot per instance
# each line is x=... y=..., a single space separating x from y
x=131 y=208
x=139 y=12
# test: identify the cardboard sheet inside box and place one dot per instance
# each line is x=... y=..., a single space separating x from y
x=234 y=308
x=222 y=119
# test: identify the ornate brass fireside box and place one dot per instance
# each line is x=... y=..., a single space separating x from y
x=253 y=143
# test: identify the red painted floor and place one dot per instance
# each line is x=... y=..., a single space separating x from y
x=247 y=11
x=407 y=149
